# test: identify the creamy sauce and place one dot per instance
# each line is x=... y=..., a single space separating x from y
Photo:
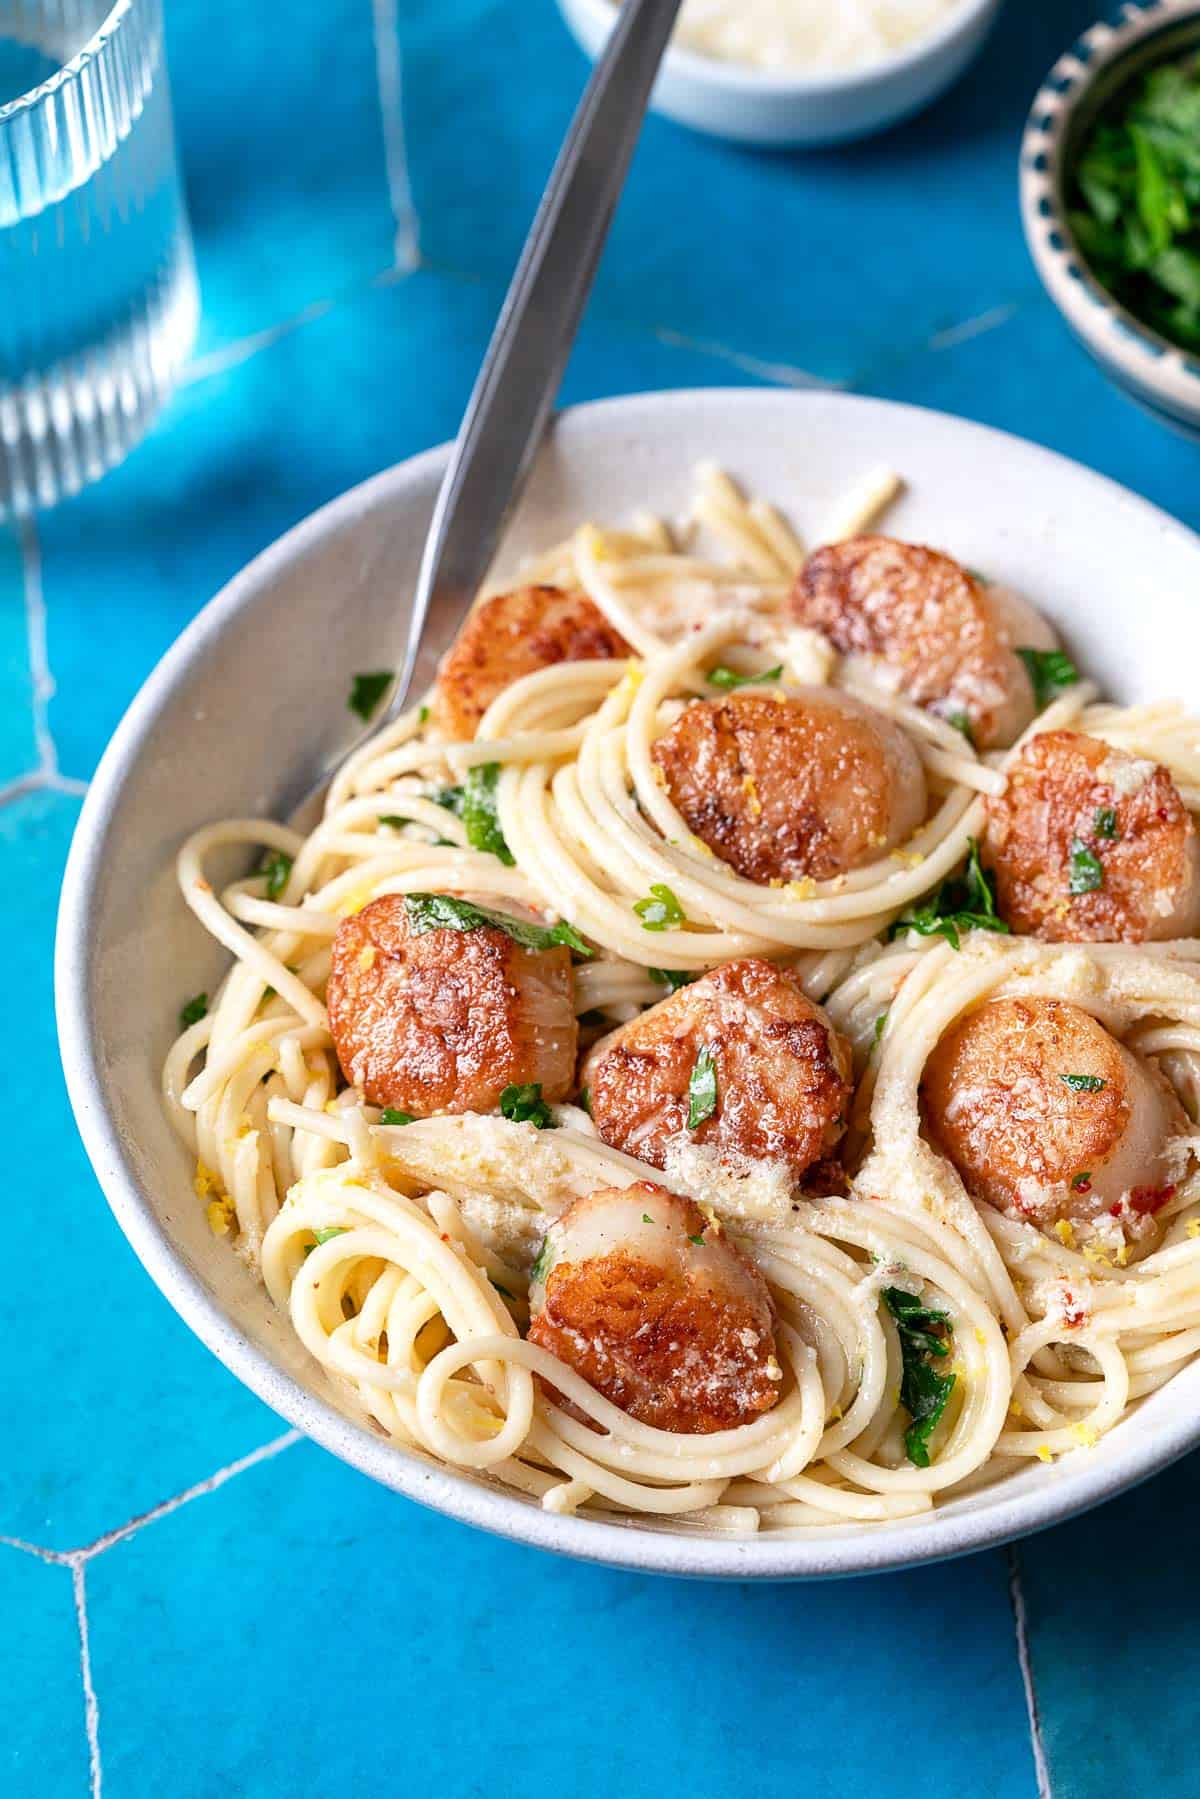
x=808 y=34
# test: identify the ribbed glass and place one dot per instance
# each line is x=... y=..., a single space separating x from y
x=98 y=298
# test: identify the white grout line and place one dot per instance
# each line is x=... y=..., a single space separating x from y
x=784 y=374
x=1016 y=1596
x=389 y=75
x=46 y=775
x=91 y=1707
x=77 y=1560
x=969 y=328
x=243 y=348
x=262 y=1454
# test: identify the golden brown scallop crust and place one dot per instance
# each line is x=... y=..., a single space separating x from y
x=679 y=1353
x=443 y=1021
x=782 y=1072
x=996 y=1102
x=511 y=635
x=1059 y=789
x=784 y=788
x=929 y=619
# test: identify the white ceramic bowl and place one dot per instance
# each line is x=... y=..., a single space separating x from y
x=1158 y=374
x=758 y=106
x=259 y=680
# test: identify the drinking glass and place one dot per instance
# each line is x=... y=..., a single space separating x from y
x=98 y=300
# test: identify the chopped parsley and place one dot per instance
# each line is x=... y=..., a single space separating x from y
x=699 y=1239
x=479 y=813
x=1105 y=823
x=646 y=1218
x=674 y=978
x=1086 y=870
x=702 y=1088
x=965 y=902
x=1083 y=1083
x=195 y=1009
x=423 y=715
x=1082 y=1181
x=1049 y=671
x=451 y=799
x=659 y=909
x=541 y=1266
x=585 y=1100
x=395 y=820
x=726 y=678
x=924 y=1392
x=960 y=722
x=277 y=867
x=442 y=912
x=390 y=1115
x=525 y=1105
x=367 y=690
x=333 y=1230
x=879 y=1024
x=1132 y=198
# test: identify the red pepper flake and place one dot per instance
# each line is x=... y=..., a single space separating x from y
x=1150 y=1199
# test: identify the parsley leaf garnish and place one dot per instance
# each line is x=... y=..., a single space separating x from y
x=879 y=1024
x=194 y=1011
x=1086 y=871
x=1083 y=1083
x=442 y=912
x=965 y=902
x=674 y=978
x=699 y=1239
x=1049 y=671
x=390 y=1115
x=1105 y=823
x=1133 y=198
x=277 y=867
x=702 y=1088
x=423 y=715
x=726 y=678
x=367 y=690
x=479 y=813
x=960 y=721
x=646 y=1218
x=541 y=1266
x=451 y=799
x=660 y=909
x=333 y=1230
x=1082 y=1181
x=525 y=1105
x=923 y=1391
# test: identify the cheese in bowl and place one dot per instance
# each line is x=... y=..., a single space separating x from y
x=808 y=34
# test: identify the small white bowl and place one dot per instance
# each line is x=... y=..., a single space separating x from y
x=1158 y=374
x=256 y=687
x=788 y=107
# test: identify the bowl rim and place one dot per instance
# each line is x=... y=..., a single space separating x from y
x=1129 y=348
x=744 y=78
x=908 y=1543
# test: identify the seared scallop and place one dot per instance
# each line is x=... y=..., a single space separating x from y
x=443 y=1020
x=945 y=638
x=740 y=1061
x=1047 y=1116
x=511 y=635
x=644 y=1296
x=1090 y=844
x=782 y=787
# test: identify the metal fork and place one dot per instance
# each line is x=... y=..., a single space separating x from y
x=516 y=388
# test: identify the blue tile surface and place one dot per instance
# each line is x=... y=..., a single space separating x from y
x=131 y=1409
x=297 y=1630
x=43 y=1745
x=377 y=1640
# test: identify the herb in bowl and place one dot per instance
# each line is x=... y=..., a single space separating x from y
x=1133 y=199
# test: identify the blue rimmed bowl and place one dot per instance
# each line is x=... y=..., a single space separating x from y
x=1157 y=373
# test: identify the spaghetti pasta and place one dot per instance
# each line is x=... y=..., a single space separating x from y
x=926 y=1339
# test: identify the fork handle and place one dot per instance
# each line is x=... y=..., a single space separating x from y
x=518 y=383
